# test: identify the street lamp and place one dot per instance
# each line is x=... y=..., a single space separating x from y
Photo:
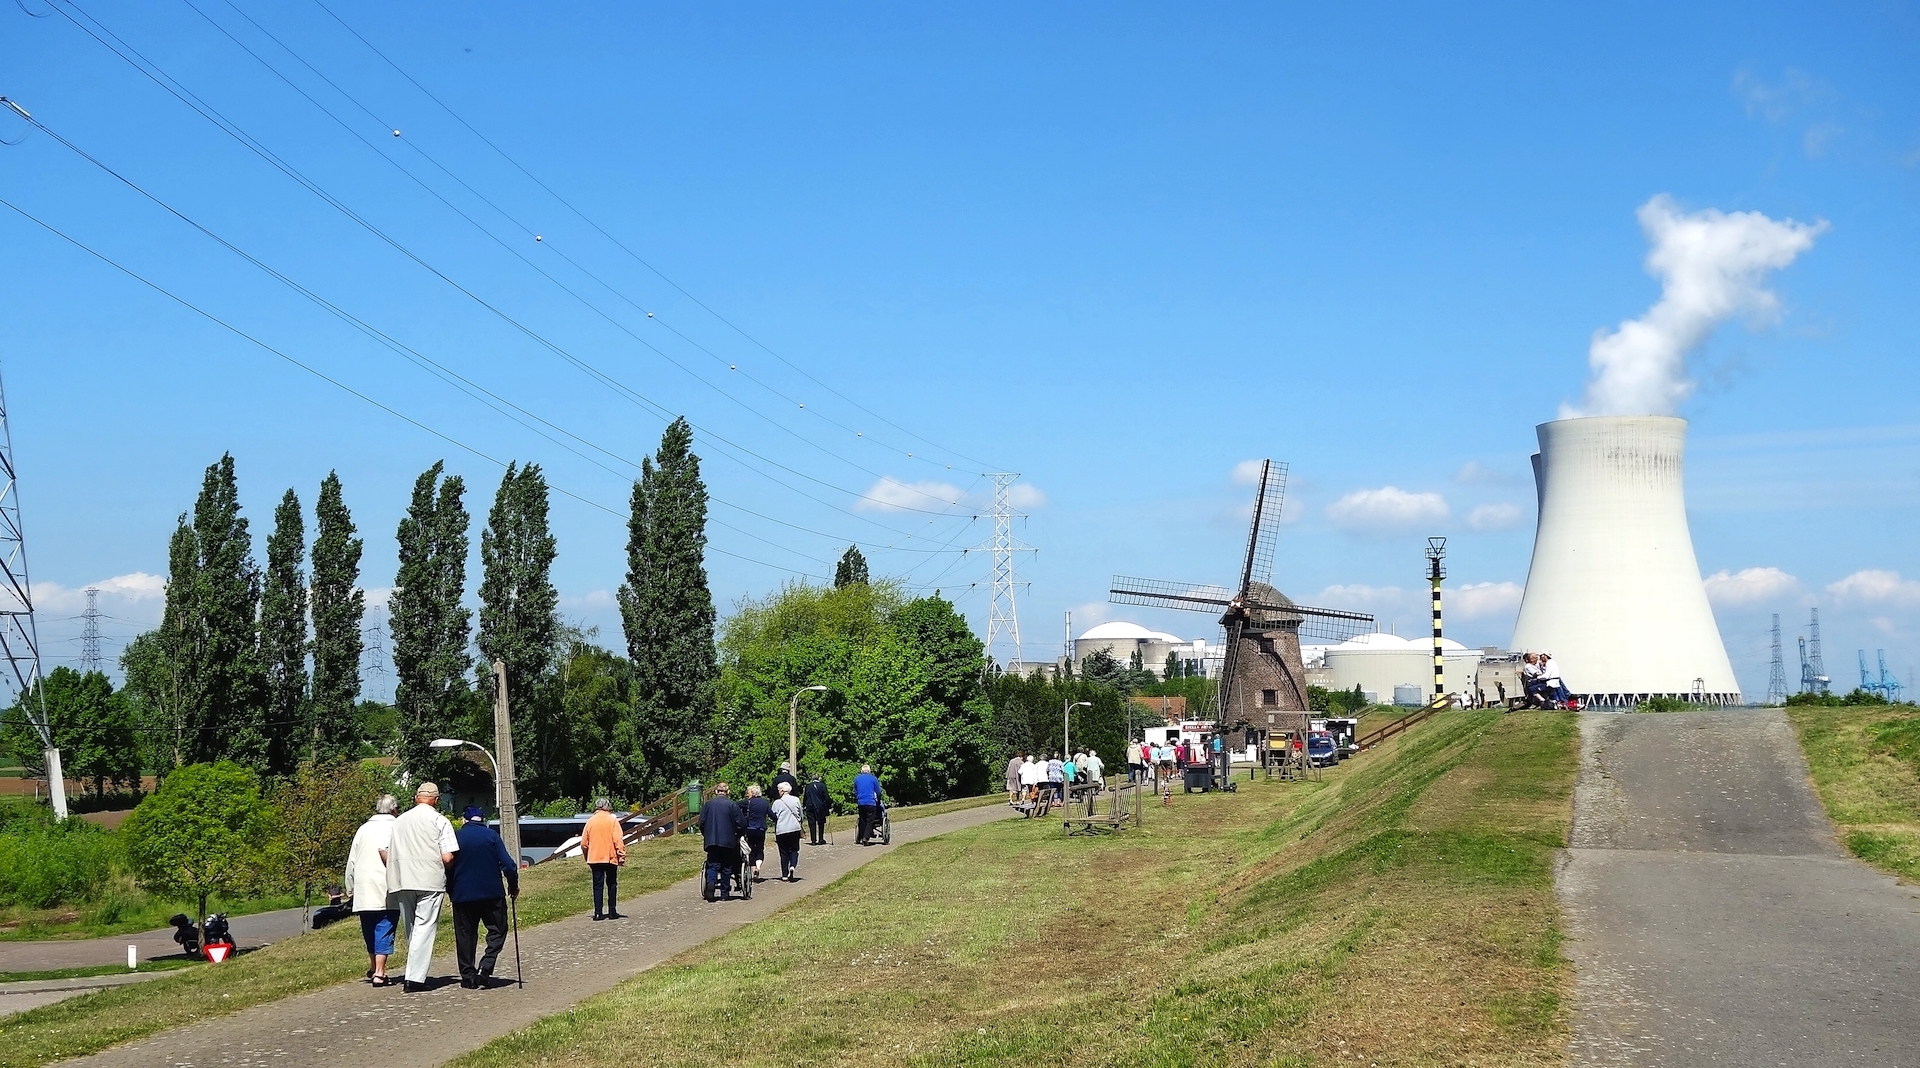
x=1066 y=732
x=793 y=729
x=492 y=764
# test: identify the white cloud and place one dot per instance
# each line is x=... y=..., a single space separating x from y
x=122 y=591
x=892 y=495
x=1477 y=600
x=1021 y=495
x=1473 y=472
x=1750 y=585
x=1385 y=509
x=591 y=600
x=1711 y=266
x=1495 y=516
x=377 y=597
x=1360 y=597
x=1876 y=587
x=1247 y=472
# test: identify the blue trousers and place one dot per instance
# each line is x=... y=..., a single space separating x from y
x=722 y=862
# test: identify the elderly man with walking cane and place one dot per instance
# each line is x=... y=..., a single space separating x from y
x=478 y=896
x=417 y=858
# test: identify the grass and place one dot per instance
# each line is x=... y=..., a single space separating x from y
x=93 y=1022
x=1401 y=911
x=121 y=909
x=1865 y=762
x=99 y=969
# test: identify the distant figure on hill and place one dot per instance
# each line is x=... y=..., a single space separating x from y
x=785 y=775
x=817 y=805
x=605 y=847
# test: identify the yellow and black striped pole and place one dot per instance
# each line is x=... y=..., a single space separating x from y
x=1436 y=552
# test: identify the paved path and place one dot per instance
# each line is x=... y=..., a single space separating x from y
x=249 y=932
x=1715 y=919
x=566 y=961
x=31 y=994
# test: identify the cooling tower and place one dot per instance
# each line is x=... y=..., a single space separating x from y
x=1614 y=592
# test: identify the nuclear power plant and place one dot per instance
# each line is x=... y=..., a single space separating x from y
x=1614 y=591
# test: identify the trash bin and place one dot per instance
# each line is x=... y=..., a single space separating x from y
x=694 y=796
x=1198 y=777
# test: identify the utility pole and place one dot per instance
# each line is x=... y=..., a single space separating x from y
x=90 y=633
x=19 y=637
x=503 y=764
x=1437 y=552
x=1777 y=674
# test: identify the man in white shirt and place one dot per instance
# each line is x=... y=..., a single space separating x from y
x=423 y=845
x=366 y=879
x=1032 y=774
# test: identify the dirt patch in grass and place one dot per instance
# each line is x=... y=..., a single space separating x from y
x=1401 y=911
x=1865 y=762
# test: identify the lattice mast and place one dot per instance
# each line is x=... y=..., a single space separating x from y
x=1777 y=673
x=1003 y=616
x=90 y=659
x=1822 y=682
x=1436 y=570
x=19 y=637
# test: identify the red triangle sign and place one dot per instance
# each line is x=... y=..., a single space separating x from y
x=218 y=952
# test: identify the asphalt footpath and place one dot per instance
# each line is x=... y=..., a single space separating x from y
x=354 y=1024
x=1714 y=918
x=249 y=932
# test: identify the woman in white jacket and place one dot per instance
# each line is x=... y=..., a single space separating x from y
x=366 y=879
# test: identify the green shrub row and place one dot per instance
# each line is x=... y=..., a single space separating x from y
x=48 y=865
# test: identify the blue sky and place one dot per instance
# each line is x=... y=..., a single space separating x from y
x=1118 y=249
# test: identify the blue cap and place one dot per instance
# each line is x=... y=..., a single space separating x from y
x=475 y=812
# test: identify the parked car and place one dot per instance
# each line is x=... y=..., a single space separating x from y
x=1322 y=749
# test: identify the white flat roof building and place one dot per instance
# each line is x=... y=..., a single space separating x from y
x=1382 y=663
x=1122 y=639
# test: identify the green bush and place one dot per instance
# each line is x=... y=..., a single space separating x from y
x=50 y=865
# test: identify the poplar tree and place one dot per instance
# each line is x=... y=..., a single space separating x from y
x=851 y=570
x=338 y=607
x=428 y=621
x=209 y=628
x=283 y=640
x=519 y=622
x=666 y=610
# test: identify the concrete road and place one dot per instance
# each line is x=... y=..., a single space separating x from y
x=1714 y=918
x=249 y=932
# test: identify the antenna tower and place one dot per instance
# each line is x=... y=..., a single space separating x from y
x=19 y=638
x=1003 y=620
x=90 y=633
x=1777 y=675
x=1822 y=683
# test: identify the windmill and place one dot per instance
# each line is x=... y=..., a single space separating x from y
x=1261 y=673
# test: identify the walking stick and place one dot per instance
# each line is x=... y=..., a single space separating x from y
x=513 y=905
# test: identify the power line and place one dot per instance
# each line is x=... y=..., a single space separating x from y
x=186 y=96
x=622 y=246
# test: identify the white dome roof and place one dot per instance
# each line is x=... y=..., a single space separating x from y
x=1376 y=640
x=1121 y=630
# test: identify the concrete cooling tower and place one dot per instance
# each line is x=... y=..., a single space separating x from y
x=1614 y=591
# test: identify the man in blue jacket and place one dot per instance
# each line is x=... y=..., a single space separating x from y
x=866 y=794
x=721 y=825
x=474 y=886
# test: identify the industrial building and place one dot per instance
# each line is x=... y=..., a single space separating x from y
x=1391 y=669
x=1122 y=640
x=1614 y=590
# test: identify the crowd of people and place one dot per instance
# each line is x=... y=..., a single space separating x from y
x=1031 y=777
x=401 y=867
x=1541 y=682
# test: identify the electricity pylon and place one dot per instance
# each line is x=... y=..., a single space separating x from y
x=1003 y=618
x=1777 y=675
x=19 y=638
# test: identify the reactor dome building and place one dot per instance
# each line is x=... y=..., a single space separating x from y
x=1614 y=591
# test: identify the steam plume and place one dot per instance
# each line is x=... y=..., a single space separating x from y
x=1712 y=265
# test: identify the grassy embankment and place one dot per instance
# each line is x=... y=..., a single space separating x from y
x=93 y=1022
x=1866 y=767
x=1400 y=912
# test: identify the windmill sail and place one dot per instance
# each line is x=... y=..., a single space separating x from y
x=1265 y=533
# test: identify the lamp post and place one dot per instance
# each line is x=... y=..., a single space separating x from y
x=455 y=743
x=1066 y=730
x=793 y=728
